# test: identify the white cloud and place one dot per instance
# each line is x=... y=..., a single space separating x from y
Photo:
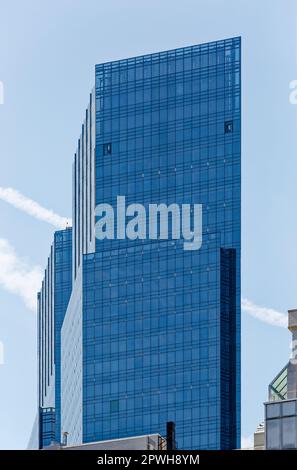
x=18 y=200
x=264 y=314
x=17 y=277
x=247 y=442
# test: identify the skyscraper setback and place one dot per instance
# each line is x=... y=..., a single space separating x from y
x=138 y=332
x=53 y=299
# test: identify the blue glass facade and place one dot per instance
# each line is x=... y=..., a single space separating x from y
x=47 y=423
x=63 y=286
x=161 y=326
x=146 y=332
x=52 y=304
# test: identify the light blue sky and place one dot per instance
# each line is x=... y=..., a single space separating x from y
x=47 y=54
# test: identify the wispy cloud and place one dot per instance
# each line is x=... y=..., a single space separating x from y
x=267 y=315
x=247 y=442
x=17 y=277
x=25 y=204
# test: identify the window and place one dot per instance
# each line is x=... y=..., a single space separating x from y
x=273 y=434
x=273 y=410
x=288 y=408
x=107 y=149
x=228 y=127
x=114 y=406
x=289 y=432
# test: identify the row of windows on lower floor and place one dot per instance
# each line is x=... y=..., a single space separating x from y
x=164 y=302
x=176 y=273
x=118 y=409
x=100 y=362
x=160 y=309
x=157 y=396
x=182 y=345
x=118 y=322
x=180 y=322
x=153 y=377
x=196 y=357
x=168 y=321
x=129 y=255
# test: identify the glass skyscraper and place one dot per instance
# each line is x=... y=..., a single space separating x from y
x=152 y=331
x=53 y=299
